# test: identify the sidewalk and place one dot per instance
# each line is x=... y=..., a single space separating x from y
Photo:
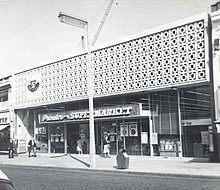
x=189 y=167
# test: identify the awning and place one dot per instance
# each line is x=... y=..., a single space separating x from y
x=3 y=127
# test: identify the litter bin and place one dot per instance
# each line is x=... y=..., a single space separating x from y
x=122 y=159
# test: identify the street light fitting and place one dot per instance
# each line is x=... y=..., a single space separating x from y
x=81 y=23
x=72 y=20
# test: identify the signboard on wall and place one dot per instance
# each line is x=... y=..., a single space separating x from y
x=144 y=137
x=4 y=118
x=21 y=145
x=80 y=115
x=33 y=86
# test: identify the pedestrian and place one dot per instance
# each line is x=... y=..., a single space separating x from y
x=32 y=147
x=11 y=148
x=79 y=146
x=16 y=147
x=106 y=143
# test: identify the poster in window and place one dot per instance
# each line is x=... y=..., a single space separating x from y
x=112 y=138
x=154 y=138
x=124 y=130
x=133 y=129
x=205 y=137
x=144 y=138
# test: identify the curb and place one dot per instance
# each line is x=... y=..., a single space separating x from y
x=115 y=172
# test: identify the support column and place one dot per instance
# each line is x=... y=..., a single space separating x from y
x=150 y=127
x=214 y=62
x=180 y=146
x=35 y=124
x=65 y=139
x=151 y=131
x=49 y=144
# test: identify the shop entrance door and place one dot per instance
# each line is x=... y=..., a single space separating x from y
x=75 y=132
x=193 y=145
x=72 y=137
x=57 y=139
x=109 y=126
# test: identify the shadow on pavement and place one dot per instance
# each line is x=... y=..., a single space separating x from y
x=77 y=159
x=200 y=160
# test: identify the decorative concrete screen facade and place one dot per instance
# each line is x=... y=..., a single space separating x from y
x=168 y=56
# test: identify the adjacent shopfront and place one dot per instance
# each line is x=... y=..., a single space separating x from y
x=4 y=130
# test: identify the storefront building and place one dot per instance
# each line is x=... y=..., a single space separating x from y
x=6 y=119
x=152 y=91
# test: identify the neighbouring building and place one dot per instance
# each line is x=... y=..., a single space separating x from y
x=6 y=115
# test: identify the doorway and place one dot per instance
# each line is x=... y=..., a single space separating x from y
x=77 y=131
x=193 y=145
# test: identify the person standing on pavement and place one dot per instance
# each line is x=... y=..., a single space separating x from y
x=11 y=148
x=16 y=147
x=108 y=140
x=106 y=143
x=32 y=147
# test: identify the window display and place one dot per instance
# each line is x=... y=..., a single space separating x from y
x=168 y=146
x=42 y=139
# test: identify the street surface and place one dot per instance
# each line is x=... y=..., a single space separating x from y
x=27 y=178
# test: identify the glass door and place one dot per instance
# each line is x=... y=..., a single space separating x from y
x=57 y=138
x=109 y=126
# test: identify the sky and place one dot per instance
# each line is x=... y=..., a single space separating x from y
x=31 y=33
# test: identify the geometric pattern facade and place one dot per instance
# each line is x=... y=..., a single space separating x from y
x=171 y=57
x=166 y=58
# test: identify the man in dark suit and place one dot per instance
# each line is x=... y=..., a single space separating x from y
x=11 y=148
x=32 y=146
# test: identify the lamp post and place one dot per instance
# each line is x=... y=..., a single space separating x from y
x=82 y=23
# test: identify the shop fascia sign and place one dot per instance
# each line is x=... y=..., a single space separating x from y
x=196 y=122
x=73 y=115
x=4 y=118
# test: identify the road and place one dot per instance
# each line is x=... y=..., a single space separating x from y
x=26 y=178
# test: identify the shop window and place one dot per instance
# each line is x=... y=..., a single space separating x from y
x=42 y=139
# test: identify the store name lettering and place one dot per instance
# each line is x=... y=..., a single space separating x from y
x=186 y=123
x=3 y=120
x=85 y=114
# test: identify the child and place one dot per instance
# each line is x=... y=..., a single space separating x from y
x=79 y=146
